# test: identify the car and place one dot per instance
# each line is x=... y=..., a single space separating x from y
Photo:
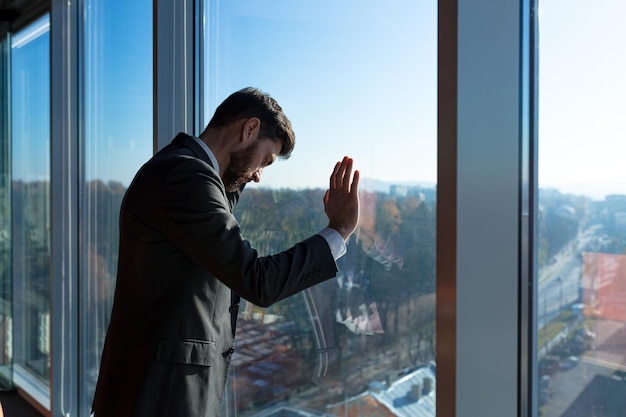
x=548 y=365
x=569 y=363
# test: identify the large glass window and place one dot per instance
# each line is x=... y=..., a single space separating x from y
x=117 y=141
x=356 y=78
x=581 y=312
x=30 y=182
x=6 y=282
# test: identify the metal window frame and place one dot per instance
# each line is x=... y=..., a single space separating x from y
x=65 y=165
x=175 y=69
x=485 y=208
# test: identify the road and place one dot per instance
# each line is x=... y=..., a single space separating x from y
x=560 y=281
x=596 y=384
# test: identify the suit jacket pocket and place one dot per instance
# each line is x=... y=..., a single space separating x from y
x=186 y=351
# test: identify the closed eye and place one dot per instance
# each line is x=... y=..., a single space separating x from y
x=270 y=161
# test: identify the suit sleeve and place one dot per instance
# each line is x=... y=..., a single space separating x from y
x=194 y=212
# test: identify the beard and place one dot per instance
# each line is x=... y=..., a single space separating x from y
x=238 y=171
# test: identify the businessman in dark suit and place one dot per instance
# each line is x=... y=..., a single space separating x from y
x=183 y=262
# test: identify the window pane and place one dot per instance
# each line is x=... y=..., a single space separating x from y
x=364 y=85
x=582 y=209
x=6 y=281
x=117 y=141
x=30 y=156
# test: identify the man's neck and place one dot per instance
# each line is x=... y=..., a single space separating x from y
x=209 y=153
x=217 y=140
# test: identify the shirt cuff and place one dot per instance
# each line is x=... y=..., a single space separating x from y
x=335 y=241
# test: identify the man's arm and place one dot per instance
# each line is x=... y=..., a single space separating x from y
x=195 y=214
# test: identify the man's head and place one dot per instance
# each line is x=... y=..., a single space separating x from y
x=252 y=102
x=251 y=113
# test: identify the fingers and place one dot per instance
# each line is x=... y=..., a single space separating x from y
x=354 y=188
x=341 y=200
x=333 y=176
x=347 y=174
x=342 y=174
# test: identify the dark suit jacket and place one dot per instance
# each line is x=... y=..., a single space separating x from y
x=171 y=335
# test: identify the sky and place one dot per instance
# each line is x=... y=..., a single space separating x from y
x=30 y=120
x=359 y=78
x=356 y=78
x=582 y=90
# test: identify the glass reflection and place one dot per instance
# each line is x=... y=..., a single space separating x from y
x=581 y=326
x=6 y=291
x=117 y=140
x=30 y=199
x=364 y=342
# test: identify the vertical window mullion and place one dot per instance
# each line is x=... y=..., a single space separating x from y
x=64 y=200
x=481 y=229
x=174 y=55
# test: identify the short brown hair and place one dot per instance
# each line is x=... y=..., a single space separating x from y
x=252 y=102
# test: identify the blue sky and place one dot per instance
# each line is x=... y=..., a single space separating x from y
x=30 y=116
x=356 y=78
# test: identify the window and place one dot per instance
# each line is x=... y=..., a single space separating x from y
x=581 y=313
x=6 y=284
x=364 y=85
x=30 y=202
x=117 y=141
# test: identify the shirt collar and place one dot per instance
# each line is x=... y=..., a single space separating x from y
x=209 y=153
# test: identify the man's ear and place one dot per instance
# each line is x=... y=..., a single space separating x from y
x=250 y=129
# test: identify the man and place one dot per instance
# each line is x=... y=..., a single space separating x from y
x=183 y=263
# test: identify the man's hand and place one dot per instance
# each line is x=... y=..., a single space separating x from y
x=341 y=201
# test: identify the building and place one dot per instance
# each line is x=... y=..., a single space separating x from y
x=413 y=395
